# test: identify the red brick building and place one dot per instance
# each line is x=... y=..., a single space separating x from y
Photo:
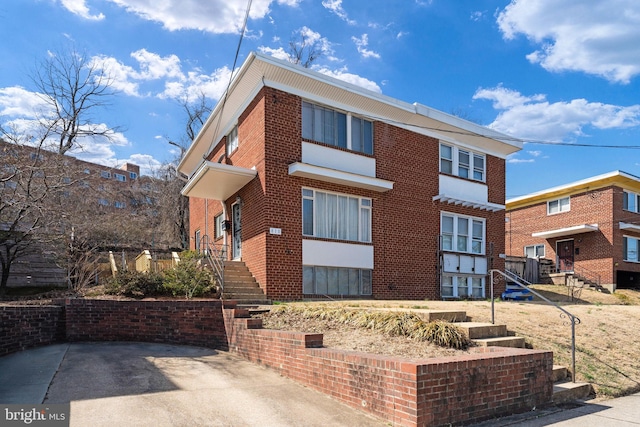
x=590 y=228
x=323 y=188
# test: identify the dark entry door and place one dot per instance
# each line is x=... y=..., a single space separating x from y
x=236 y=232
x=564 y=249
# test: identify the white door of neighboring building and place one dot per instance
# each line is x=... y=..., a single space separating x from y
x=236 y=234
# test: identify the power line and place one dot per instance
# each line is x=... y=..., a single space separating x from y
x=233 y=68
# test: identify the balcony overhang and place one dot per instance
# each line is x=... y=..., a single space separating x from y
x=567 y=231
x=217 y=181
x=484 y=206
x=319 y=173
x=630 y=227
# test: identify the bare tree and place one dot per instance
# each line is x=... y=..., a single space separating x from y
x=304 y=51
x=28 y=220
x=73 y=87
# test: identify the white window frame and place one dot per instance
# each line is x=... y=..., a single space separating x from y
x=338 y=139
x=468 y=283
x=105 y=174
x=452 y=244
x=562 y=206
x=364 y=216
x=538 y=251
x=452 y=163
x=103 y=202
x=120 y=177
x=133 y=175
x=232 y=140
x=218 y=231
x=335 y=280
x=625 y=249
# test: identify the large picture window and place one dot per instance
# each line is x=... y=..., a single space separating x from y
x=462 y=233
x=320 y=280
x=463 y=286
x=336 y=216
x=462 y=163
x=321 y=124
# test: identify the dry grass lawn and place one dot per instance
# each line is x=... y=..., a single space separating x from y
x=607 y=343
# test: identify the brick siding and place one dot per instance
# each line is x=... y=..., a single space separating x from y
x=405 y=220
x=599 y=251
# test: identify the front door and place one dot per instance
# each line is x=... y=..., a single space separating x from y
x=236 y=237
x=564 y=249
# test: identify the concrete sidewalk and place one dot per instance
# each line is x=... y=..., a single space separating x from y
x=141 y=384
x=621 y=412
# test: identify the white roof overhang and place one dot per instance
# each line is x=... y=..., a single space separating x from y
x=319 y=173
x=261 y=70
x=483 y=206
x=630 y=227
x=217 y=181
x=567 y=231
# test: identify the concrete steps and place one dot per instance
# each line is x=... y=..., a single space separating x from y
x=240 y=285
x=566 y=391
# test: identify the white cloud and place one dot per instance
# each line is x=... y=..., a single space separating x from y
x=361 y=44
x=599 y=37
x=78 y=7
x=174 y=81
x=517 y=160
x=311 y=39
x=15 y=101
x=535 y=118
x=335 y=6
x=535 y=153
x=213 y=16
x=343 y=75
x=477 y=15
x=279 y=53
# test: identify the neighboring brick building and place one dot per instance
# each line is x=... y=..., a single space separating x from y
x=324 y=188
x=589 y=227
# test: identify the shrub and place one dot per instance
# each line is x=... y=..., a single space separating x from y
x=135 y=284
x=189 y=278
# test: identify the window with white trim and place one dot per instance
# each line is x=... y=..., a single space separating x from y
x=321 y=280
x=462 y=233
x=133 y=175
x=462 y=286
x=120 y=177
x=336 y=216
x=232 y=140
x=534 y=251
x=462 y=163
x=558 y=206
x=321 y=124
x=630 y=201
x=105 y=174
x=630 y=249
x=217 y=232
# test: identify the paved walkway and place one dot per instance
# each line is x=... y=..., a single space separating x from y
x=156 y=385
x=140 y=384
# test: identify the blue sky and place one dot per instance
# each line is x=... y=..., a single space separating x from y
x=559 y=74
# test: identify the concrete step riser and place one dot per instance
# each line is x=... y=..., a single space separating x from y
x=568 y=391
x=486 y=330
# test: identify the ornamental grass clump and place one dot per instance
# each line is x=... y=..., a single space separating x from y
x=393 y=323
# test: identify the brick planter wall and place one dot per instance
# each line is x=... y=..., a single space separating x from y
x=198 y=323
x=410 y=393
x=26 y=326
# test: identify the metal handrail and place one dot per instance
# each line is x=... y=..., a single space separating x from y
x=216 y=254
x=574 y=319
x=586 y=273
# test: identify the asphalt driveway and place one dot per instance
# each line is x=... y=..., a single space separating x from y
x=141 y=384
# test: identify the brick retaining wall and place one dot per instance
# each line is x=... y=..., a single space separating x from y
x=27 y=326
x=475 y=387
x=404 y=392
x=193 y=322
